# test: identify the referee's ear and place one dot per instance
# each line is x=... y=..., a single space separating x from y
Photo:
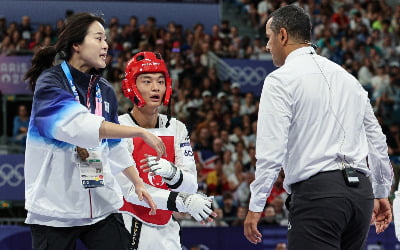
x=283 y=36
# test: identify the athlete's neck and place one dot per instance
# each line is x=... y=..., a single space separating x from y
x=144 y=119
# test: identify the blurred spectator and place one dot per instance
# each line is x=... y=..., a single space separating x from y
x=229 y=207
x=241 y=154
x=224 y=29
x=341 y=19
x=358 y=22
x=365 y=75
x=281 y=213
x=280 y=246
x=235 y=93
x=223 y=100
x=236 y=118
x=393 y=139
x=389 y=102
x=36 y=41
x=242 y=192
x=251 y=136
x=269 y=216
x=251 y=165
x=238 y=136
x=6 y=46
x=248 y=106
x=246 y=124
x=235 y=179
x=219 y=220
x=199 y=247
x=379 y=82
x=25 y=28
x=277 y=188
x=180 y=108
x=216 y=181
x=228 y=165
x=218 y=111
x=20 y=126
x=205 y=110
x=327 y=43
x=227 y=144
x=240 y=216
x=217 y=145
x=207 y=117
x=3 y=27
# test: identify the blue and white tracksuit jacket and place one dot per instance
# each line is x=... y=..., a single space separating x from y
x=58 y=124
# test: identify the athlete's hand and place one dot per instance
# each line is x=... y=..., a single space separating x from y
x=142 y=193
x=198 y=206
x=160 y=167
x=381 y=215
x=250 y=227
x=154 y=142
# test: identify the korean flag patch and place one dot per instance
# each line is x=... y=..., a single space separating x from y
x=107 y=107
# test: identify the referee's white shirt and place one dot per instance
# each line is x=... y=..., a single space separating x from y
x=313 y=115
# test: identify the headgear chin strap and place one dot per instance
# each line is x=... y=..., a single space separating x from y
x=145 y=62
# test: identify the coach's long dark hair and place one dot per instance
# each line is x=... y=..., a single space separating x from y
x=74 y=32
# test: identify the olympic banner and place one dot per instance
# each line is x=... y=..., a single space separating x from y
x=12 y=181
x=12 y=71
x=250 y=74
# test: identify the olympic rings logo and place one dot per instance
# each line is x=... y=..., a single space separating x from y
x=11 y=175
x=249 y=75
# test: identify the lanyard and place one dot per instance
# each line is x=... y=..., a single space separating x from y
x=99 y=100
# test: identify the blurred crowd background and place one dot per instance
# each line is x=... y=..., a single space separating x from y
x=362 y=36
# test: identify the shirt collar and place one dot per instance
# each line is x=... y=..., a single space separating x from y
x=299 y=52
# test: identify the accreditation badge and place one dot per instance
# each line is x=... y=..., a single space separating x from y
x=91 y=169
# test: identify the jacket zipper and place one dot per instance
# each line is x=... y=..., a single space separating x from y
x=90 y=201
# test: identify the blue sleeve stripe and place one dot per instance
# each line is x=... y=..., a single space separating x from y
x=51 y=107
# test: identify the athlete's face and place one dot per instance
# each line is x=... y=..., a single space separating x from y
x=92 y=52
x=152 y=88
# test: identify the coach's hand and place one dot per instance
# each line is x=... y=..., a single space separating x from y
x=250 y=227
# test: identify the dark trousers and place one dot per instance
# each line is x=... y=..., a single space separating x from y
x=327 y=214
x=107 y=234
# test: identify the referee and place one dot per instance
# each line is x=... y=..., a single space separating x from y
x=315 y=121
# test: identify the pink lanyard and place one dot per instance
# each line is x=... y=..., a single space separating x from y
x=99 y=101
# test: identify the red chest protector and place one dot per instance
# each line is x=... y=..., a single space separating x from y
x=140 y=149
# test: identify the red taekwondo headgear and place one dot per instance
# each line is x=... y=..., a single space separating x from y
x=145 y=62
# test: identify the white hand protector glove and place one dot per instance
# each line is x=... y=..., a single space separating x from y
x=170 y=173
x=197 y=205
x=396 y=214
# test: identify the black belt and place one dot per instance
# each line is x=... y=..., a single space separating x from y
x=136 y=228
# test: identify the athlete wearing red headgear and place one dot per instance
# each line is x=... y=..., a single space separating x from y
x=145 y=62
x=172 y=180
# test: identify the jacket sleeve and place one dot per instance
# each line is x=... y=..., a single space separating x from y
x=159 y=196
x=57 y=115
x=378 y=159
x=120 y=157
x=184 y=160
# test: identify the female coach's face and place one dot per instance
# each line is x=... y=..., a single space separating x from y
x=92 y=52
